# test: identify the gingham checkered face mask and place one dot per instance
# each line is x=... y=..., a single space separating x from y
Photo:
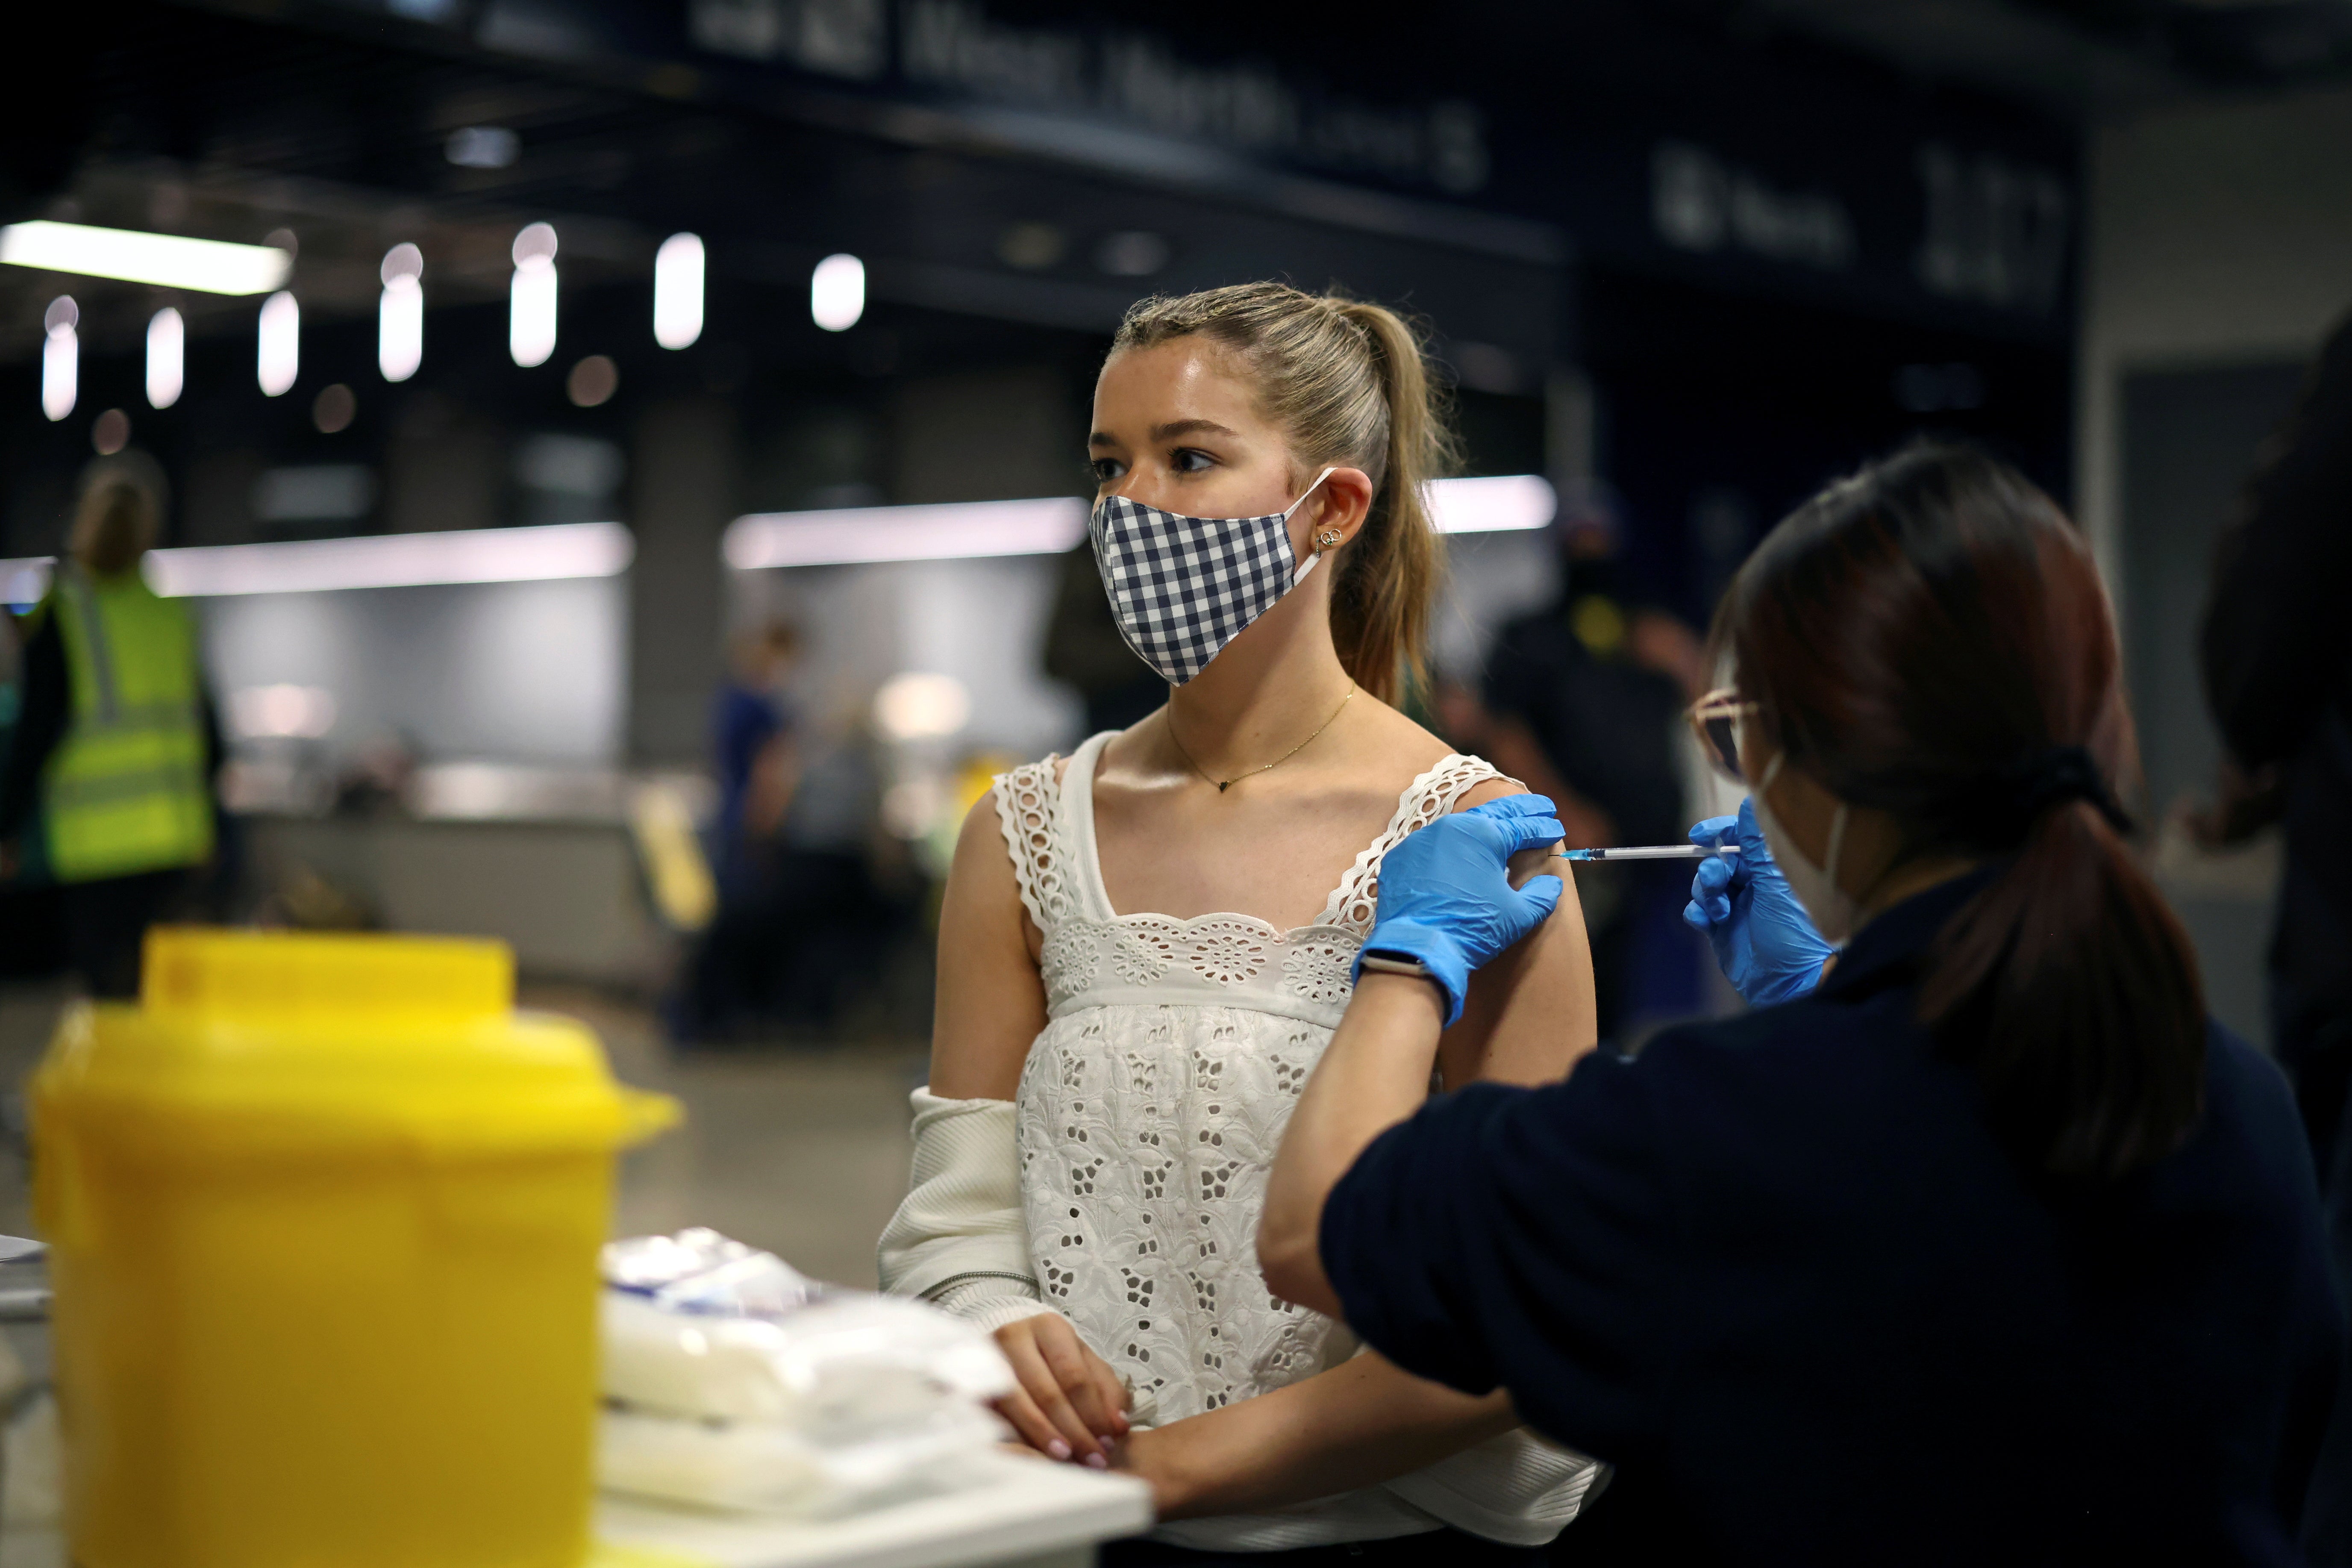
x=1183 y=587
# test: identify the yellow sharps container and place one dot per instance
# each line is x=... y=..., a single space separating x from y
x=324 y=1214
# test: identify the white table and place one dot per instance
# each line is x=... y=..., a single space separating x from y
x=1010 y=1510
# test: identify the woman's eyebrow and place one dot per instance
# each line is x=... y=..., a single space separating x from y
x=1102 y=438
x=1169 y=432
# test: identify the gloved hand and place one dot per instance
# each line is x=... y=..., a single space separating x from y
x=1763 y=939
x=1446 y=897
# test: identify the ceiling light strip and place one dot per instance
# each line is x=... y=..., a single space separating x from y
x=848 y=535
x=555 y=550
x=132 y=256
x=952 y=532
x=1496 y=503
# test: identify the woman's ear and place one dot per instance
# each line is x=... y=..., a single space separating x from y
x=1339 y=505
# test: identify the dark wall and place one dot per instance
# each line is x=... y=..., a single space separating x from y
x=1720 y=412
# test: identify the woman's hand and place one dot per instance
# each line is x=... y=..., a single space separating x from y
x=1070 y=1404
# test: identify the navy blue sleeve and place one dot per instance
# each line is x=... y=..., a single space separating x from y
x=1522 y=1239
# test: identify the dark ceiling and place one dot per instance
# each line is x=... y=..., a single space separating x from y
x=184 y=118
x=2258 y=42
x=2079 y=58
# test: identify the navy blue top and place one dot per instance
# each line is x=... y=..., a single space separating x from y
x=1780 y=1272
x=742 y=721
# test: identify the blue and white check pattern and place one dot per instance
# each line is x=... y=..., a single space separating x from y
x=1183 y=587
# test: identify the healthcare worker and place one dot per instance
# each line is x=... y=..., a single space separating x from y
x=1985 y=1246
x=117 y=744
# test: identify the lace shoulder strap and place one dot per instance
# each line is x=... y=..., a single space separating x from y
x=1028 y=810
x=1426 y=799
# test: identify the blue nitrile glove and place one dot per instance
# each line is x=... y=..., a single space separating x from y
x=1763 y=939
x=1446 y=897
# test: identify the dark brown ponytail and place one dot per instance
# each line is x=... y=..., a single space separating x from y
x=1930 y=638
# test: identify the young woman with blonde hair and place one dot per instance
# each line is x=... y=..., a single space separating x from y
x=1145 y=946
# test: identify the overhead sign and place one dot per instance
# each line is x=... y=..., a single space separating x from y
x=1617 y=132
x=1124 y=75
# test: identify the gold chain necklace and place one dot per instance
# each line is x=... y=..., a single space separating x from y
x=1169 y=721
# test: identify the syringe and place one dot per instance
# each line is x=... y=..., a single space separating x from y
x=1649 y=852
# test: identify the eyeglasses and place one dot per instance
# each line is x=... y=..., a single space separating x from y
x=1715 y=720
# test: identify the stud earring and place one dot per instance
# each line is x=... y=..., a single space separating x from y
x=1328 y=539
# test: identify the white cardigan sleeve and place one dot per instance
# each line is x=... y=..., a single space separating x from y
x=1518 y=1489
x=958 y=1241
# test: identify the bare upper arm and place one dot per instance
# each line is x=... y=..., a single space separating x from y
x=990 y=1002
x=1531 y=1014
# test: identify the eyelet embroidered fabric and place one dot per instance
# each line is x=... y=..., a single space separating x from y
x=1150 y=1110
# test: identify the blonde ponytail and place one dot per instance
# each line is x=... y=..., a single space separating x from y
x=1348 y=381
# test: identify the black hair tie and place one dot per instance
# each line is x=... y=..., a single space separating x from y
x=2002 y=806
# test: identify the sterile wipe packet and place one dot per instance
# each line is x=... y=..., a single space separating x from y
x=757 y=1466
x=731 y=1380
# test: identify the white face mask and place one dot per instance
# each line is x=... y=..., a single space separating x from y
x=1835 y=913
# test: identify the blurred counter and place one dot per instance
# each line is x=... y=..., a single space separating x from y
x=546 y=859
x=1011 y=1511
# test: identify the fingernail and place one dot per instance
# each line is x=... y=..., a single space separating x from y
x=1058 y=1448
x=1097 y=1462
x=1121 y=1416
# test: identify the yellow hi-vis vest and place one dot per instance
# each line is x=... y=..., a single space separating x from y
x=126 y=789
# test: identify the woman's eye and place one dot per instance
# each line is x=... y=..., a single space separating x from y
x=1107 y=469
x=1188 y=459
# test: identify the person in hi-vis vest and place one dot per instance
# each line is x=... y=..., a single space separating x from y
x=117 y=745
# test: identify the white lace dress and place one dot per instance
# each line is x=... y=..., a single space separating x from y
x=1147 y=1114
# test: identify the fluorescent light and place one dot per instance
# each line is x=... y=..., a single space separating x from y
x=678 y=291
x=400 y=329
x=400 y=314
x=60 y=358
x=394 y=561
x=837 y=292
x=167 y=340
x=557 y=550
x=945 y=532
x=167 y=260
x=958 y=530
x=278 y=356
x=530 y=316
x=1499 y=503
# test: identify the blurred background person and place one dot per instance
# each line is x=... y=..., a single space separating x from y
x=755 y=762
x=803 y=919
x=752 y=725
x=1583 y=700
x=2277 y=659
x=116 y=743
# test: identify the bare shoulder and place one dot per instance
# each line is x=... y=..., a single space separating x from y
x=1408 y=742
x=979 y=852
x=991 y=997
x=983 y=899
x=1489 y=789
